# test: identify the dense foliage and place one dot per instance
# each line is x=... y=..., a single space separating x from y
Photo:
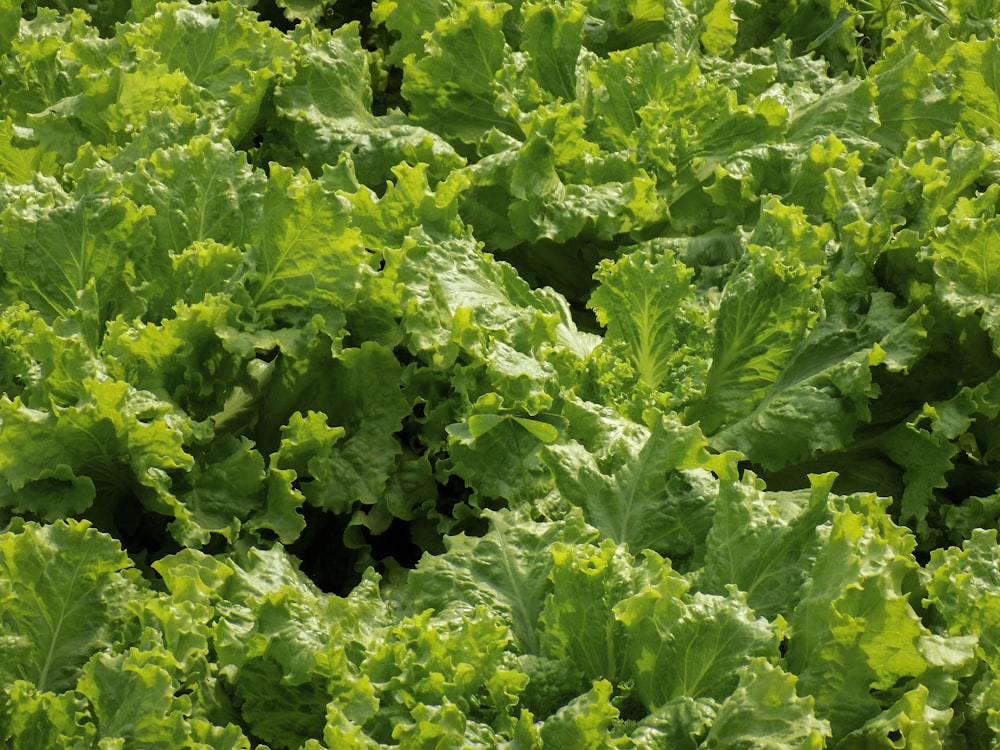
x=527 y=374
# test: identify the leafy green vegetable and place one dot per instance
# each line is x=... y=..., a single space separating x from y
x=528 y=374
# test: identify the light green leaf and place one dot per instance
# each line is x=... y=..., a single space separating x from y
x=385 y=221
x=912 y=720
x=63 y=590
x=283 y=641
x=224 y=49
x=44 y=718
x=305 y=252
x=507 y=569
x=915 y=97
x=966 y=256
x=553 y=35
x=656 y=352
x=767 y=309
x=765 y=712
x=20 y=164
x=637 y=503
x=588 y=583
x=690 y=645
x=547 y=433
x=854 y=629
x=763 y=542
x=644 y=300
x=680 y=724
x=962 y=585
x=413 y=670
x=977 y=67
x=311 y=10
x=33 y=68
x=326 y=105
x=583 y=723
x=133 y=700
x=614 y=96
x=503 y=463
x=480 y=424
x=55 y=244
x=199 y=190
x=559 y=185
x=721 y=25
x=923 y=185
x=465 y=50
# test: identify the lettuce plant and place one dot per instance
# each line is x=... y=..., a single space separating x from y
x=528 y=374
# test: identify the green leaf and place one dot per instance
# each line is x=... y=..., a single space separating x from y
x=636 y=503
x=116 y=443
x=63 y=589
x=409 y=21
x=465 y=50
x=348 y=445
x=690 y=645
x=766 y=310
x=55 y=244
x=584 y=722
x=10 y=17
x=224 y=49
x=764 y=541
x=558 y=184
x=456 y=297
x=977 y=66
x=386 y=220
x=615 y=97
x=766 y=712
x=588 y=583
x=305 y=252
x=120 y=96
x=310 y=10
x=922 y=186
x=199 y=190
x=854 y=630
x=222 y=490
x=644 y=299
x=553 y=36
x=284 y=640
x=507 y=569
x=186 y=358
x=828 y=387
x=328 y=101
x=503 y=463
